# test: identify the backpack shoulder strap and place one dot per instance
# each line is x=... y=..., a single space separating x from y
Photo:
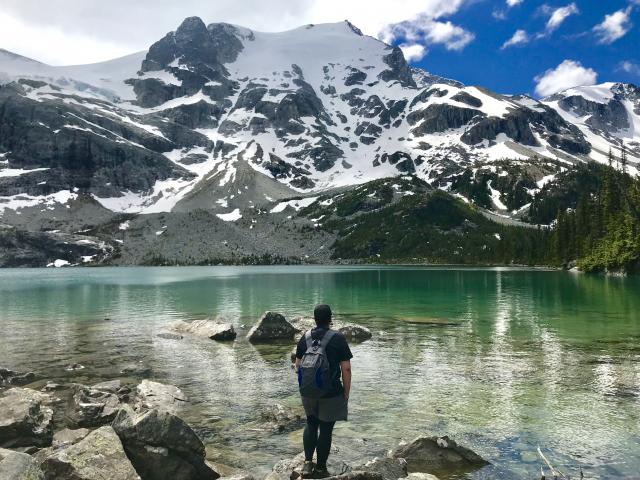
x=309 y=340
x=327 y=338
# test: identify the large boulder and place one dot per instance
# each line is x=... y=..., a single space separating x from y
x=282 y=418
x=355 y=333
x=438 y=454
x=162 y=446
x=92 y=407
x=272 y=326
x=98 y=456
x=150 y=395
x=25 y=418
x=9 y=377
x=206 y=328
x=18 y=466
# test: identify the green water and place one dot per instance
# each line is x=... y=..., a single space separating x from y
x=501 y=360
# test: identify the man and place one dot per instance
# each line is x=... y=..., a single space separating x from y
x=322 y=353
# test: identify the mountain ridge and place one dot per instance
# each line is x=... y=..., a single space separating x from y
x=222 y=118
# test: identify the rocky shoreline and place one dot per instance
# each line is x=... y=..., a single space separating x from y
x=135 y=431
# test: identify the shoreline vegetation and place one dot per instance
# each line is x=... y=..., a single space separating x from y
x=134 y=430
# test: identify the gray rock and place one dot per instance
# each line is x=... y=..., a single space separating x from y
x=162 y=446
x=18 y=466
x=98 y=456
x=355 y=333
x=388 y=468
x=69 y=437
x=155 y=395
x=282 y=418
x=91 y=407
x=438 y=454
x=111 y=386
x=206 y=328
x=440 y=117
x=25 y=420
x=288 y=469
x=272 y=326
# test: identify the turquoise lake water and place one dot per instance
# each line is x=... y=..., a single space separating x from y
x=502 y=360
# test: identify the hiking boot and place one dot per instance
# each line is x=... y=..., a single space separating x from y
x=321 y=472
x=307 y=469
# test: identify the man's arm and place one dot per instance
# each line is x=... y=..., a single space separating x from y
x=296 y=366
x=345 y=367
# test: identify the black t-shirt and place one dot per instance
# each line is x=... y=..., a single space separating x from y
x=337 y=351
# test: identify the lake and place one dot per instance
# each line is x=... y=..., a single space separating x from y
x=502 y=360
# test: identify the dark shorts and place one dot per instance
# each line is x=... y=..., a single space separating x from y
x=331 y=409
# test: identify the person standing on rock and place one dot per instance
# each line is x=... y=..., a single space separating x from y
x=323 y=365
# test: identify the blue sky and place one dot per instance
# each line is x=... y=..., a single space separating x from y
x=513 y=69
x=560 y=43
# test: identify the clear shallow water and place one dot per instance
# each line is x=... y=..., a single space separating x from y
x=523 y=358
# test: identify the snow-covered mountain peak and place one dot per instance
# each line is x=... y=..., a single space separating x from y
x=209 y=108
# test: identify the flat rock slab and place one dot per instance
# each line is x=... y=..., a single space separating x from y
x=150 y=395
x=69 y=437
x=272 y=326
x=25 y=420
x=206 y=328
x=18 y=466
x=98 y=456
x=438 y=454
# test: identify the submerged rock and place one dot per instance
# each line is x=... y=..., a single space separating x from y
x=272 y=326
x=98 y=456
x=170 y=336
x=69 y=437
x=150 y=395
x=25 y=420
x=355 y=333
x=92 y=407
x=162 y=446
x=9 y=377
x=434 y=454
x=206 y=328
x=18 y=466
x=282 y=418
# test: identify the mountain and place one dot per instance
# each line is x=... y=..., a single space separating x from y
x=224 y=122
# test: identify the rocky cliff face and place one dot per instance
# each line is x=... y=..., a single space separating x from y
x=226 y=119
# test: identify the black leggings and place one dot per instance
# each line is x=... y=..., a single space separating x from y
x=320 y=443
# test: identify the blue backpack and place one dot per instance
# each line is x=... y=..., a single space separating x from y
x=314 y=375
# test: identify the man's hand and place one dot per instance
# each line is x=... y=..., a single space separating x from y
x=345 y=368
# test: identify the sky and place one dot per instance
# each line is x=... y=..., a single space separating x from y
x=509 y=46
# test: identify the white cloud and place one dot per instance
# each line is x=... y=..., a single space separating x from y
x=413 y=52
x=559 y=15
x=94 y=30
x=629 y=67
x=566 y=75
x=513 y=3
x=519 y=37
x=430 y=32
x=614 y=26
